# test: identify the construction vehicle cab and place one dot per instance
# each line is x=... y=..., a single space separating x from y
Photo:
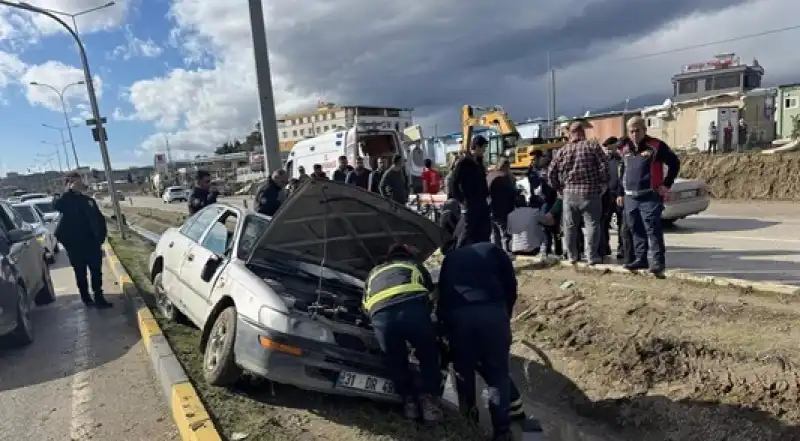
x=489 y=117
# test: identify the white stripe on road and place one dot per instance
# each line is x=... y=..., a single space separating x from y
x=775 y=240
x=82 y=423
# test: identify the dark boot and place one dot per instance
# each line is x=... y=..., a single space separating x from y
x=101 y=302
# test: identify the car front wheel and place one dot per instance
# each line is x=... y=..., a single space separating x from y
x=47 y=293
x=165 y=305
x=23 y=333
x=219 y=366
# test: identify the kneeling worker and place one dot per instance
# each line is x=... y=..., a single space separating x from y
x=477 y=292
x=397 y=299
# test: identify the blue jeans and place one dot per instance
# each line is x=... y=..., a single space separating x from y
x=396 y=327
x=643 y=215
x=480 y=340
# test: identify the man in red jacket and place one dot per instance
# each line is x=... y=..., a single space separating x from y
x=644 y=186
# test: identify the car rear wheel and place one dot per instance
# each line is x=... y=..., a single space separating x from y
x=49 y=257
x=23 y=333
x=47 y=294
x=56 y=248
x=165 y=305
x=219 y=366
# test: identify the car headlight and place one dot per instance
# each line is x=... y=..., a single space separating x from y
x=40 y=238
x=281 y=322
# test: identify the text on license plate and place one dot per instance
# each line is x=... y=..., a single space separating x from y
x=365 y=382
x=688 y=194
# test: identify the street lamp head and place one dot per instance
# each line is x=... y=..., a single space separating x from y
x=81 y=82
x=109 y=4
x=34 y=83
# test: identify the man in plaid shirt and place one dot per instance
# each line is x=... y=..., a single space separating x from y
x=579 y=173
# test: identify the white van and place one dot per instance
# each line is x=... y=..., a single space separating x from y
x=326 y=148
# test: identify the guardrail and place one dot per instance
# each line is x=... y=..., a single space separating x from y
x=148 y=236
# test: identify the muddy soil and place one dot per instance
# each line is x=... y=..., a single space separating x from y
x=746 y=176
x=663 y=359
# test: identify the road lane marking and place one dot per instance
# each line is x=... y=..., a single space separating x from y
x=82 y=423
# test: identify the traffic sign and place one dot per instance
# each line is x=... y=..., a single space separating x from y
x=96 y=136
x=93 y=122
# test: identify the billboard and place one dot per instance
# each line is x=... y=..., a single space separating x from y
x=160 y=163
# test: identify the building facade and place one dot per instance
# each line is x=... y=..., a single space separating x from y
x=787 y=109
x=329 y=116
x=723 y=74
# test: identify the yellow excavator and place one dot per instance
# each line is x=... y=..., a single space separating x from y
x=507 y=142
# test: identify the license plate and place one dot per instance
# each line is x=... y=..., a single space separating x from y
x=688 y=194
x=368 y=383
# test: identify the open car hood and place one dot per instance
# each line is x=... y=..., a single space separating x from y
x=359 y=226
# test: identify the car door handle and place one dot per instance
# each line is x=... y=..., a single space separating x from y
x=171 y=244
x=190 y=257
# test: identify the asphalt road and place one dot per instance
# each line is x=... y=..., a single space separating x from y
x=757 y=241
x=86 y=375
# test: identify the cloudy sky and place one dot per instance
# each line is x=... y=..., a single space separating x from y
x=183 y=69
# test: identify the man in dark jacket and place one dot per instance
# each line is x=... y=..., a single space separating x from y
x=270 y=196
x=360 y=174
x=397 y=300
x=377 y=174
x=203 y=194
x=82 y=231
x=477 y=292
x=394 y=184
x=318 y=174
x=340 y=174
x=471 y=190
x=644 y=185
x=503 y=196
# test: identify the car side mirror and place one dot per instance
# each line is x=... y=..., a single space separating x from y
x=20 y=235
x=210 y=268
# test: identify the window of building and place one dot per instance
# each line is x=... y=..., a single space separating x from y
x=294 y=122
x=325 y=128
x=284 y=135
x=722 y=82
x=393 y=113
x=294 y=132
x=319 y=129
x=408 y=124
x=302 y=132
x=316 y=118
x=653 y=123
x=790 y=102
x=687 y=86
x=752 y=81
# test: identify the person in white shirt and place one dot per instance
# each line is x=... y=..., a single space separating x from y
x=525 y=228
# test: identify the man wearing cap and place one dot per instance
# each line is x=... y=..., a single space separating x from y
x=470 y=188
x=396 y=298
x=82 y=231
x=579 y=171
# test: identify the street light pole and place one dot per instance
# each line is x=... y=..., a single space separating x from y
x=66 y=115
x=269 y=123
x=92 y=102
x=63 y=140
x=58 y=154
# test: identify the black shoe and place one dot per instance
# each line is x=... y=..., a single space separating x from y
x=102 y=303
x=635 y=265
x=620 y=256
x=88 y=302
x=530 y=425
x=657 y=271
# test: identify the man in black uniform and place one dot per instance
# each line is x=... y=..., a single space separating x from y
x=203 y=194
x=377 y=174
x=270 y=196
x=472 y=191
x=82 y=231
x=340 y=174
x=477 y=292
x=396 y=298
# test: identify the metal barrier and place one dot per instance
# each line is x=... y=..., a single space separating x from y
x=148 y=236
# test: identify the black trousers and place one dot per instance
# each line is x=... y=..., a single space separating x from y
x=477 y=226
x=480 y=341
x=90 y=259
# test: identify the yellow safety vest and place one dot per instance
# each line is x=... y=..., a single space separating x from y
x=391 y=281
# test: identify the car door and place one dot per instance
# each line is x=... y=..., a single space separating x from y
x=178 y=247
x=216 y=242
x=27 y=254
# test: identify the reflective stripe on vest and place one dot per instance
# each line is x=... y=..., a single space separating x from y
x=415 y=285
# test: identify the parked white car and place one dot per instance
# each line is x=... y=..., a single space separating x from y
x=43 y=230
x=687 y=197
x=172 y=194
x=255 y=286
x=48 y=211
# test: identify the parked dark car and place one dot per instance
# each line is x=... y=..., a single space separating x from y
x=24 y=277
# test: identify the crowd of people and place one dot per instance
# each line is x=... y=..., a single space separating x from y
x=575 y=192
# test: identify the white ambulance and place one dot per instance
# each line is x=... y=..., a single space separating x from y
x=368 y=141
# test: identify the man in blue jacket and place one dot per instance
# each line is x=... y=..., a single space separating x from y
x=477 y=292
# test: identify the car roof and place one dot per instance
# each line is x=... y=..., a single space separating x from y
x=48 y=200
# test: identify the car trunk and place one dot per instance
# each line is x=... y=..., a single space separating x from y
x=344 y=228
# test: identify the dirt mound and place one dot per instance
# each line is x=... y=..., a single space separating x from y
x=746 y=176
x=666 y=360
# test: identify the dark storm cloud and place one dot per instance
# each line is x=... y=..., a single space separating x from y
x=444 y=53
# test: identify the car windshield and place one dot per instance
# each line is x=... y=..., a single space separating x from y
x=45 y=207
x=176 y=190
x=253 y=229
x=27 y=213
x=30 y=196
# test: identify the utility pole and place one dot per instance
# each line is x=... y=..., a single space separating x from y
x=266 y=101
